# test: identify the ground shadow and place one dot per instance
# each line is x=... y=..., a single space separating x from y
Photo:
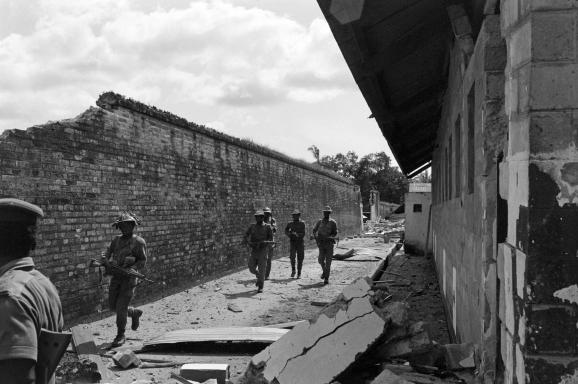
x=219 y=347
x=281 y=281
x=247 y=281
x=241 y=294
x=359 y=260
x=310 y=286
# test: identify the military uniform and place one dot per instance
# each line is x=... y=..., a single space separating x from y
x=124 y=251
x=255 y=237
x=325 y=232
x=271 y=249
x=295 y=230
x=29 y=302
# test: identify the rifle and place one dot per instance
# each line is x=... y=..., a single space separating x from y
x=125 y=272
x=255 y=244
x=317 y=240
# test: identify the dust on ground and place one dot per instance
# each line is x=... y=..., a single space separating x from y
x=284 y=299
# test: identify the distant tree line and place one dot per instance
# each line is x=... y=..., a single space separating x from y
x=373 y=171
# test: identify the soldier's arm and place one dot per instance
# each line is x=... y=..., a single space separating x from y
x=269 y=233
x=140 y=254
x=316 y=228
x=334 y=229
x=247 y=237
x=18 y=343
x=287 y=228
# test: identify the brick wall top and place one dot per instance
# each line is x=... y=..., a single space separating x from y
x=111 y=100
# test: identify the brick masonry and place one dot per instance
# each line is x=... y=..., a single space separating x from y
x=464 y=211
x=196 y=190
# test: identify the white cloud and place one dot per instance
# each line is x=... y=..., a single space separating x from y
x=210 y=52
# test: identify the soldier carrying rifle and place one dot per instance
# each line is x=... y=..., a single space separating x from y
x=125 y=252
x=259 y=237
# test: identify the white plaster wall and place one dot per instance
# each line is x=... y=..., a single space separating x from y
x=416 y=223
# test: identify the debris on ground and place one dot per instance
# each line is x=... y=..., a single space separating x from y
x=343 y=256
x=349 y=327
x=234 y=307
x=264 y=335
x=125 y=359
x=204 y=372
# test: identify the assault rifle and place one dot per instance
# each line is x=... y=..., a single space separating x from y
x=124 y=271
x=318 y=240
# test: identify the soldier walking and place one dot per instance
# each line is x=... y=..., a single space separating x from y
x=269 y=219
x=28 y=300
x=127 y=251
x=295 y=230
x=258 y=237
x=325 y=233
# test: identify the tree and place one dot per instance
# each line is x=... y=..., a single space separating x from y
x=315 y=151
x=373 y=171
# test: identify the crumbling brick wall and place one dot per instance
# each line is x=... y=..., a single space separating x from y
x=196 y=190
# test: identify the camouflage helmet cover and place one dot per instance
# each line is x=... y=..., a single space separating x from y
x=126 y=216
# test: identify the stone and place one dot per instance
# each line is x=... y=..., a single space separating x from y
x=319 y=350
x=206 y=372
x=126 y=359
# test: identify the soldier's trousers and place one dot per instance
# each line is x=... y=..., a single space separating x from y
x=325 y=257
x=258 y=264
x=297 y=248
x=120 y=293
x=270 y=255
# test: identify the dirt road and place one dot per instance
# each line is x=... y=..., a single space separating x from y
x=284 y=299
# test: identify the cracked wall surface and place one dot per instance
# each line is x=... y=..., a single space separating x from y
x=196 y=190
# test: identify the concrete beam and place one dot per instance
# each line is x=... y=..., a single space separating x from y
x=461 y=27
x=323 y=348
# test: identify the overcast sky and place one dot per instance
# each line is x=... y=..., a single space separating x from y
x=268 y=70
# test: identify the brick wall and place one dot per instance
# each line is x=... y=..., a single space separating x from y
x=472 y=134
x=196 y=190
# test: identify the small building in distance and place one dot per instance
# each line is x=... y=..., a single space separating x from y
x=417 y=208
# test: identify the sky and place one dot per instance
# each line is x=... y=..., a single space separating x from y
x=268 y=70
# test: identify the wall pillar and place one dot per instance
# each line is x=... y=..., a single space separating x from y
x=374 y=204
x=538 y=263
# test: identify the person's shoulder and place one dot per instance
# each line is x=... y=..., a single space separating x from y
x=13 y=282
x=332 y=220
x=139 y=240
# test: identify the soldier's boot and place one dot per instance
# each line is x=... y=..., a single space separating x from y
x=135 y=315
x=119 y=340
x=292 y=268
x=260 y=287
x=293 y=272
x=299 y=273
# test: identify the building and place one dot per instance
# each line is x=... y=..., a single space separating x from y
x=417 y=236
x=485 y=92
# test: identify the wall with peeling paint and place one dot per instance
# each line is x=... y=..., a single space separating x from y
x=538 y=263
x=465 y=203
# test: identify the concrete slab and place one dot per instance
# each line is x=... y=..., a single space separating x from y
x=319 y=350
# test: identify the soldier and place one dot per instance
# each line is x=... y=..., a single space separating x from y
x=325 y=233
x=295 y=230
x=28 y=300
x=271 y=249
x=259 y=237
x=126 y=251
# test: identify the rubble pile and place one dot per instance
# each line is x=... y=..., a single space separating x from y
x=361 y=337
x=391 y=229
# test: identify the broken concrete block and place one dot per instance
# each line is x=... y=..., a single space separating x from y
x=417 y=342
x=460 y=356
x=126 y=359
x=388 y=377
x=318 y=351
x=205 y=372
